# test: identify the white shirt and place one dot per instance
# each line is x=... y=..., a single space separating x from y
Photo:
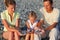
x=50 y=18
x=32 y=25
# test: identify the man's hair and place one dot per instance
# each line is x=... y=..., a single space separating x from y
x=32 y=14
x=7 y=2
x=51 y=1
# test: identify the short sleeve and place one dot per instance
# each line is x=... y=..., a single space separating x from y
x=41 y=14
x=56 y=19
x=17 y=16
x=2 y=16
x=42 y=17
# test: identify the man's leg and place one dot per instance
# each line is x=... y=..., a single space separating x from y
x=53 y=35
x=36 y=37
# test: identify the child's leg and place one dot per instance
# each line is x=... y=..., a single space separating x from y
x=27 y=36
x=10 y=36
x=16 y=36
x=32 y=36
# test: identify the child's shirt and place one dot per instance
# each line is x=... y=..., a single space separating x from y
x=32 y=25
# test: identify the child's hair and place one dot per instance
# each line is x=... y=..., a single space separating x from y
x=7 y=2
x=51 y=1
x=32 y=14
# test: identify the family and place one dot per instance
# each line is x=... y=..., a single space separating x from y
x=48 y=23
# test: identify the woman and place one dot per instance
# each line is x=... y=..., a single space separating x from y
x=10 y=20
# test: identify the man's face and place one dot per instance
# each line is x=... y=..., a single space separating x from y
x=11 y=8
x=47 y=5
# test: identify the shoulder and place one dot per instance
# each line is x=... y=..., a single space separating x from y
x=4 y=12
x=56 y=9
x=27 y=22
x=17 y=13
x=41 y=9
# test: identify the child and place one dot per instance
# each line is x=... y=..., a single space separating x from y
x=10 y=20
x=32 y=26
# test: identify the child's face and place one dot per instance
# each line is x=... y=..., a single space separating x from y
x=32 y=19
x=11 y=8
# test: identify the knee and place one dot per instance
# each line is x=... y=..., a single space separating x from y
x=28 y=34
x=53 y=32
x=10 y=32
x=15 y=33
x=6 y=35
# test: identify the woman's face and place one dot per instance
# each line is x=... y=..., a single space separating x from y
x=11 y=8
x=47 y=5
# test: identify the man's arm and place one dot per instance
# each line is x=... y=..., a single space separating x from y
x=51 y=26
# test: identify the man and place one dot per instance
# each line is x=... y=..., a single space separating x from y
x=50 y=19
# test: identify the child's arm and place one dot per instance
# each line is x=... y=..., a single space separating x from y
x=40 y=23
x=27 y=24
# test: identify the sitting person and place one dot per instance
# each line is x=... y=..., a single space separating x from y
x=10 y=20
x=50 y=19
x=32 y=26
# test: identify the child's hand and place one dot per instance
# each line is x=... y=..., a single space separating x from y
x=42 y=32
x=35 y=28
x=32 y=31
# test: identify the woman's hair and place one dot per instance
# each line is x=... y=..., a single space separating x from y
x=51 y=1
x=32 y=14
x=7 y=2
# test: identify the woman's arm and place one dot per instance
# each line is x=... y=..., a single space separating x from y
x=7 y=26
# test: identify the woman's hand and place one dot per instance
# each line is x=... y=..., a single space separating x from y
x=14 y=30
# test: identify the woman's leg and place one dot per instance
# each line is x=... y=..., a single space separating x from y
x=5 y=35
x=32 y=36
x=27 y=36
x=10 y=36
x=16 y=36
